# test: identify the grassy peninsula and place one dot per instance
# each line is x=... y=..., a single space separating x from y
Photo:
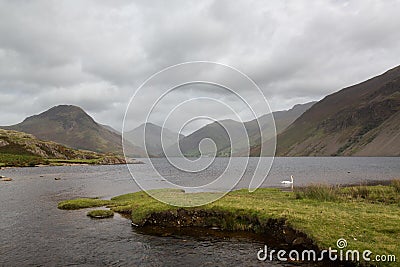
x=368 y=217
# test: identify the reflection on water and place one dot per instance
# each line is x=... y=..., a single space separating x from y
x=35 y=233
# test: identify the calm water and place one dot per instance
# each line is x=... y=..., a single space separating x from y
x=33 y=232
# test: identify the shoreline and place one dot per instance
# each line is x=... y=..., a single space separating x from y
x=309 y=218
x=72 y=163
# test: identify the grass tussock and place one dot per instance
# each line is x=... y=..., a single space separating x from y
x=362 y=193
x=319 y=192
x=396 y=184
x=82 y=203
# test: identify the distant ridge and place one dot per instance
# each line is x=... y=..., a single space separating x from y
x=153 y=138
x=215 y=131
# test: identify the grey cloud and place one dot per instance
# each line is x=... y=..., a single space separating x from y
x=96 y=53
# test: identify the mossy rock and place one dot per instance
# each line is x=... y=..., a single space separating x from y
x=100 y=214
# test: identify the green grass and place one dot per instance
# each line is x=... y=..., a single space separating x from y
x=372 y=194
x=100 y=214
x=82 y=203
x=12 y=160
x=368 y=217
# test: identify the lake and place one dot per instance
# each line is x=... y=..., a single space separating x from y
x=35 y=233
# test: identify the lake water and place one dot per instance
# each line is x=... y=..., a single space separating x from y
x=33 y=232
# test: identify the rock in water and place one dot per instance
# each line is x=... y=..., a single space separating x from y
x=5 y=179
x=100 y=214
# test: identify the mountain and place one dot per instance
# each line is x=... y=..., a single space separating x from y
x=215 y=131
x=152 y=138
x=286 y=117
x=72 y=126
x=360 y=120
x=111 y=129
x=282 y=120
x=22 y=149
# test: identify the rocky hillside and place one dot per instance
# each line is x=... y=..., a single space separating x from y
x=360 y=120
x=18 y=148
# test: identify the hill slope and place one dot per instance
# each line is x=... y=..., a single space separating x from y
x=282 y=120
x=152 y=138
x=72 y=126
x=215 y=131
x=22 y=149
x=362 y=120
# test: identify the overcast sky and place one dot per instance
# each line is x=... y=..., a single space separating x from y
x=95 y=54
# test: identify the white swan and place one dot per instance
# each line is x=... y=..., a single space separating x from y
x=288 y=182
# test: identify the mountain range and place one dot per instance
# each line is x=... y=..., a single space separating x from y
x=360 y=120
x=218 y=132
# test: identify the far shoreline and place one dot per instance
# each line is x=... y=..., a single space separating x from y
x=71 y=163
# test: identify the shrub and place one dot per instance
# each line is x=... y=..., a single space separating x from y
x=318 y=192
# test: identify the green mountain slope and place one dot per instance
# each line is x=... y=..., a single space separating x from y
x=362 y=119
x=22 y=149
